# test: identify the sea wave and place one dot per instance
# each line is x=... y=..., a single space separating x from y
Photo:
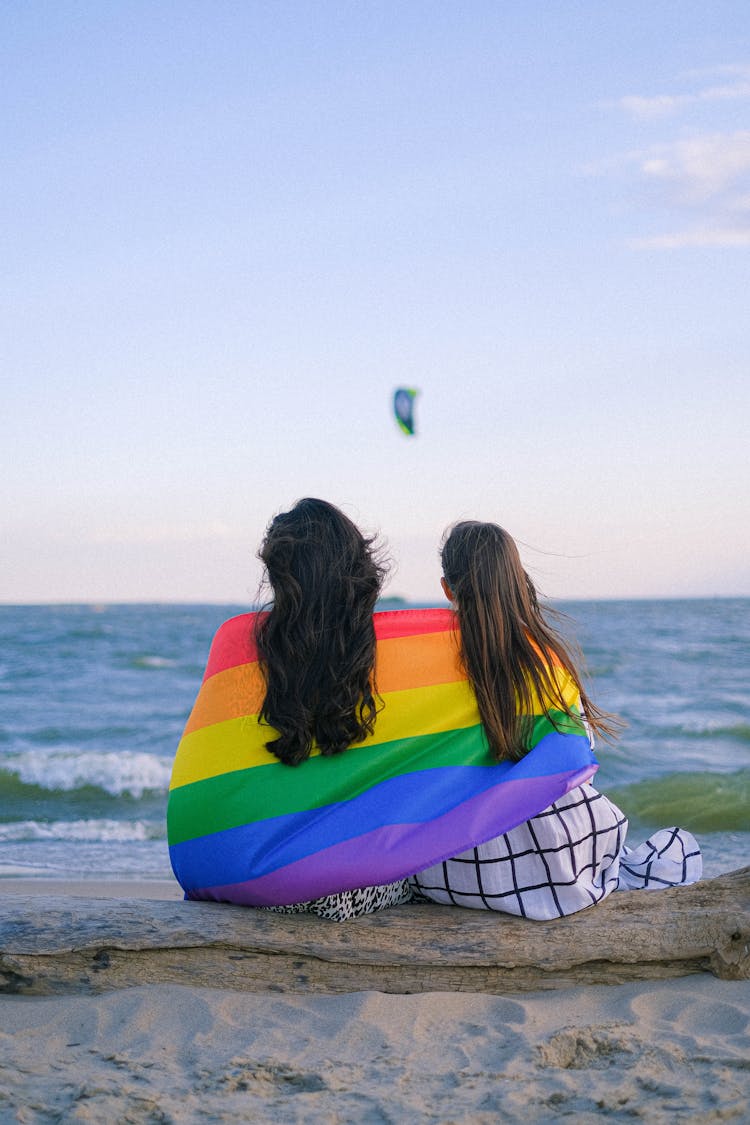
x=698 y=801
x=708 y=729
x=120 y=773
x=149 y=662
x=71 y=738
x=102 y=831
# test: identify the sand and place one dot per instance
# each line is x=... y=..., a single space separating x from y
x=672 y=1051
x=158 y=889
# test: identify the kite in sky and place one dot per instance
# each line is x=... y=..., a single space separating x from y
x=403 y=408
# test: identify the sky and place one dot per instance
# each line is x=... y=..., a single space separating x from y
x=230 y=230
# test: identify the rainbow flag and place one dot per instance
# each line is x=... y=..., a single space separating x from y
x=245 y=828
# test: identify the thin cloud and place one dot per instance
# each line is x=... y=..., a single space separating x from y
x=699 y=169
x=707 y=180
x=706 y=72
x=646 y=107
x=698 y=238
x=702 y=180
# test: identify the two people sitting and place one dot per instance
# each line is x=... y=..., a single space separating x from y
x=450 y=750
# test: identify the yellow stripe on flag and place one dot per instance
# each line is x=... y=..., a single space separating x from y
x=238 y=743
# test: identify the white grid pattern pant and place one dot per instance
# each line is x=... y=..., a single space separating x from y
x=570 y=856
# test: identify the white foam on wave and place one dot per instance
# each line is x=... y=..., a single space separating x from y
x=102 y=831
x=153 y=662
x=16 y=870
x=117 y=773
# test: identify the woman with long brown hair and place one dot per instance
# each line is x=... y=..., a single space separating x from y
x=573 y=853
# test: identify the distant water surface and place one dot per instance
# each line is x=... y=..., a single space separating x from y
x=93 y=700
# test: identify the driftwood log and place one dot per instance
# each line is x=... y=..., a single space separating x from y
x=53 y=945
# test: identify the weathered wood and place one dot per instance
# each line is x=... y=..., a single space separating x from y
x=59 y=945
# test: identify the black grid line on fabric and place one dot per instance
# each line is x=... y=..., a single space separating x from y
x=675 y=836
x=550 y=880
x=564 y=825
x=593 y=830
x=622 y=828
x=447 y=884
x=570 y=844
x=478 y=869
x=642 y=872
x=516 y=888
x=581 y=846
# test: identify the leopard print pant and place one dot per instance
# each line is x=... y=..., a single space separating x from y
x=350 y=904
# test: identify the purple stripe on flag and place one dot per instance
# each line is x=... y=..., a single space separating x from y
x=394 y=851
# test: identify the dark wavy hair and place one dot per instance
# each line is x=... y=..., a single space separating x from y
x=316 y=644
x=507 y=641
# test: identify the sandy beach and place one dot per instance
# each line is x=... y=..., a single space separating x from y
x=677 y=1050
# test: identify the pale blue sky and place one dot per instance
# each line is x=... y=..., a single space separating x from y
x=229 y=230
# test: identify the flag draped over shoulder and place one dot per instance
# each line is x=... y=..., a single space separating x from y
x=243 y=827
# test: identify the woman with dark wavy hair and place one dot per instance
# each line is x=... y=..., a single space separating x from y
x=317 y=643
x=316 y=646
x=573 y=853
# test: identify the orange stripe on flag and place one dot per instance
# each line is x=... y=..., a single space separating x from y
x=402 y=663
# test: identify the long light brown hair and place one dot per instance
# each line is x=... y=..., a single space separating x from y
x=508 y=646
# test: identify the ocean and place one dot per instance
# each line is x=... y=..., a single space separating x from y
x=93 y=699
